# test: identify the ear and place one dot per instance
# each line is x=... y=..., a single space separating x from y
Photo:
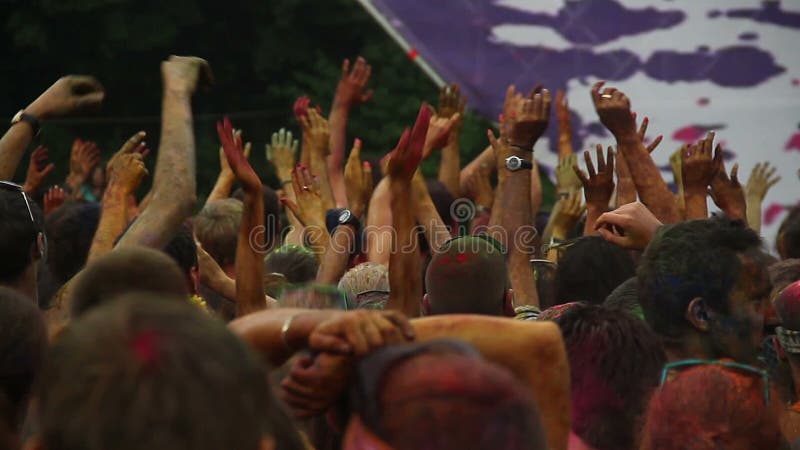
x=358 y=437
x=698 y=314
x=508 y=303
x=426 y=304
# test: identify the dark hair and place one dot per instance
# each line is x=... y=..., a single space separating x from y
x=442 y=200
x=217 y=229
x=784 y=273
x=687 y=260
x=183 y=250
x=126 y=270
x=625 y=297
x=615 y=363
x=789 y=235
x=70 y=231
x=298 y=264
x=23 y=341
x=147 y=373
x=468 y=276
x=589 y=269
x=272 y=211
x=17 y=234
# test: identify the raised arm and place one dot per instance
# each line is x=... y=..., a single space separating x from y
x=38 y=169
x=350 y=91
x=614 y=110
x=125 y=170
x=451 y=104
x=405 y=278
x=726 y=191
x=761 y=180
x=597 y=186
x=699 y=168
x=174 y=193
x=226 y=178
x=70 y=94
x=249 y=261
x=317 y=131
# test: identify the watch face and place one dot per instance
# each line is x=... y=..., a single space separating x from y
x=513 y=163
x=344 y=216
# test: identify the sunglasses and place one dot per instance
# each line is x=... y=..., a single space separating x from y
x=730 y=365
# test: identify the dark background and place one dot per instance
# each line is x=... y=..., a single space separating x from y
x=264 y=54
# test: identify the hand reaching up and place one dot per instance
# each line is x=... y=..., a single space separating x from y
x=70 y=94
x=357 y=180
x=630 y=226
x=55 y=197
x=185 y=74
x=726 y=191
x=236 y=157
x=301 y=107
x=451 y=102
x=83 y=158
x=318 y=134
x=531 y=122
x=566 y=213
x=564 y=126
x=127 y=172
x=597 y=186
x=309 y=208
x=566 y=178
x=643 y=135
x=352 y=87
x=614 y=110
x=439 y=130
x=406 y=156
x=38 y=169
x=761 y=180
x=699 y=166
x=282 y=153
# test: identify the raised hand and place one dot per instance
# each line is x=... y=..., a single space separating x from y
x=236 y=157
x=184 y=74
x=643 y=134
x=308 y=206
x=127 y=172
x=451 y=102
x=406 y=156
x=531 y=121
x=439 y=130
x=726 y=191
x=38 y=169
x=699 y=166
x=566 y=178
x=598 y=186
x=566 y=213
x=630 y=226
x=564 y=126
x=134 y=144
x=359 y=332
x=761 y=180
x=301 y=107
x=282 y=153
x=55 y=197
x=357 y=180
x=83 y=158
x=351 y=89
x=225 y=170
x=614 y=110
x=512 y=105
x=70 y=94
x=318 y=134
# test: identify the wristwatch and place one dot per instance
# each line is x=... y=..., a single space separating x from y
x=346 y=217
x=22 y=116
x=515 y=163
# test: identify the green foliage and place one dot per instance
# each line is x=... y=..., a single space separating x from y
x=264 y=54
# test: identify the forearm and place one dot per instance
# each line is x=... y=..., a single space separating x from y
x=334 y=264
x=320 y=169
x=565 y=143
x=516 y=220
x=626 y=190
x=379 y=224
x=485 y=159
x=222 y=189
x=754 y=213
x=338 y=142
x=174 y=192
x=651 y=187
x=435 y=229
x=449 y=167
x=696 y=205
x=12 y=148
x=113 y=219
x=249 y=262
x=593 y=212
x=404 y=277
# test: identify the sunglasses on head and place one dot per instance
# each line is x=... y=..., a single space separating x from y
x=730 y=365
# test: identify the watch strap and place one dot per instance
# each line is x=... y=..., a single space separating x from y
x=22 y=116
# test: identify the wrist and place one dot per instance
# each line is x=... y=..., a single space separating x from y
x=74 y=180
x=117 y=191
x=626 y=137
x=38 y=111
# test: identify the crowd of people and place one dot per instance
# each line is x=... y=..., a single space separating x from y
x=359 y=305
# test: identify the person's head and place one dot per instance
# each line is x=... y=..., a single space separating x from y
x=70 y=231
x=468 y=276
x=589 y=268
x=99 y=177
x=142 y=372
x=626 y=298
x=709 y=407
x=362 y=278
x=312 y=296
x=615 y=362
x=126 y=270
x=702 y=286
x=442 y=200
x=272 y=211
x=781 y=274
x=217 y=229
x=787 y=242
x=298 y=264
x=439 y=395
x=183 y=250
x=23 y=341
x=22 y=240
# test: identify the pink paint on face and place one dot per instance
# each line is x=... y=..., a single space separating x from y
x=688 y=135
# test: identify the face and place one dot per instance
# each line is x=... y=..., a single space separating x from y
x=99 y=177
x=738 y=333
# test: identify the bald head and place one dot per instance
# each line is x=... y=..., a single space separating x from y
x=468 y=277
